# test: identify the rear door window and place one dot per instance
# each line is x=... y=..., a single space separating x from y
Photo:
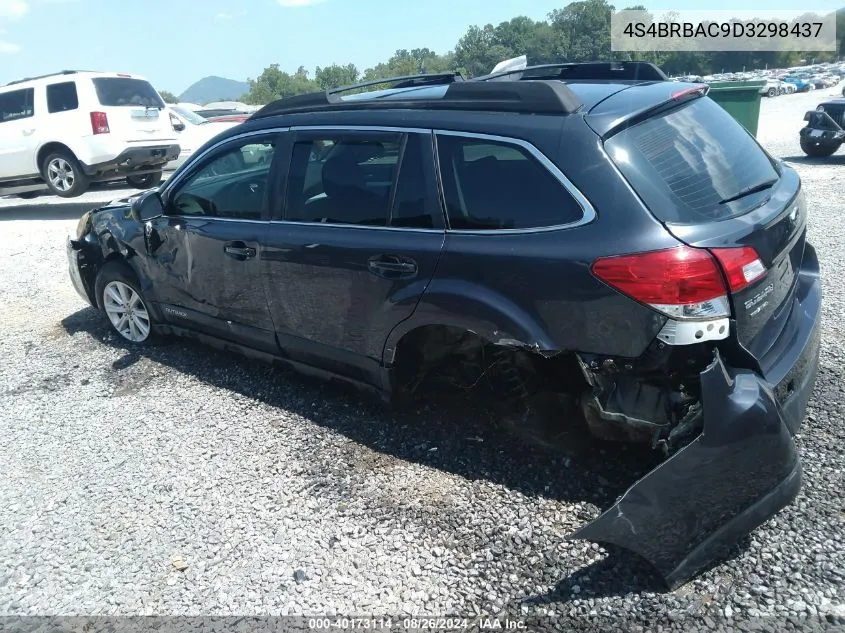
x=694 y=164
x=496 y=185
x=342 y=178
x=62 y=97
x=16 y=105
x=126 y=91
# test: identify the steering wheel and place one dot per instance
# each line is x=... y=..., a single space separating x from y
x=239 y=199
x=242 y=194
x=189 y=204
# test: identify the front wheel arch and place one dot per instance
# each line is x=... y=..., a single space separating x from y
x=47 y=149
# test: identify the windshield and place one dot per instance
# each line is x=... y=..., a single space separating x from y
x=189 y=115
x=694 y=164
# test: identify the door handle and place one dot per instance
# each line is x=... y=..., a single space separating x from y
x=239 y=251
x=391 y=266
x=28 y=132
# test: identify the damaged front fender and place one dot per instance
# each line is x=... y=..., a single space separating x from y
x=688 y=512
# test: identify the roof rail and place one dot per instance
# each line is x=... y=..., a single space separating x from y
x=583 y=71
x=404 y=81
x=56 y=74
x=534 y=97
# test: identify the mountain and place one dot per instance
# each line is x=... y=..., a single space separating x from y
x=215 y=89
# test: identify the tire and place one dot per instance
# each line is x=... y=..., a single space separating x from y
x=63 y=174
x=145 y=181
x=115 y=289
x=773 y=92
x=818 y=150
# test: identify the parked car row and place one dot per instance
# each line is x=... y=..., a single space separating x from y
x=782 y=81
x=193 y=132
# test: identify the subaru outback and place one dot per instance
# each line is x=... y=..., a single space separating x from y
x=591 y=225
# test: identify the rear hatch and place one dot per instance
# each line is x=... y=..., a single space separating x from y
x=713 y=187
x=131 y=110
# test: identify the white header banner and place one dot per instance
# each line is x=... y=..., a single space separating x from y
x=711 y=31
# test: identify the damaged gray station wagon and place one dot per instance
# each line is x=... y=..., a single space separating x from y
x=594 y=221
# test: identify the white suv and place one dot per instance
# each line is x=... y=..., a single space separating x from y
x=71 y=128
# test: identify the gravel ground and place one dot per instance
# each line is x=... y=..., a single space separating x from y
x=284 y=496
x=99 y=193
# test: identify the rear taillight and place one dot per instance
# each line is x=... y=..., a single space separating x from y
x=99 y=123
x=681 y=282
x=742 y=266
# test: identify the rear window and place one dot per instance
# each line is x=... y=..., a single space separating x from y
x=492 y=185
x=125 y=91
x=693 y=164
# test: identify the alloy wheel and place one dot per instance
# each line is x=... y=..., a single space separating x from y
x=126 y=311
x=61 y=174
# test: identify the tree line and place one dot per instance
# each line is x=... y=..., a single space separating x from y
x=580 y=31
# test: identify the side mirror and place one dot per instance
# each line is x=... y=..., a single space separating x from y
x=177 y=124
x=147 y=206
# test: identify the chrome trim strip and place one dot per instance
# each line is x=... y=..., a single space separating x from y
x=360 y=128
x=208 y=218
x=589 y=212
x=359 y=226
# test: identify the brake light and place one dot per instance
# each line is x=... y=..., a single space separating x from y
x=682 y=282
x=742 y=266
x=698 y=90
x=99 y=123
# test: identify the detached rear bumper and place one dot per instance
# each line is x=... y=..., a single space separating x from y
x=821 y=129
x=135 y=160
x=81 y=269
x=743 y=468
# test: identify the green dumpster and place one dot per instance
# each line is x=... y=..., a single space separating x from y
x=741 y=99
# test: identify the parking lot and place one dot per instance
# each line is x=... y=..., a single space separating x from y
x=283 y=495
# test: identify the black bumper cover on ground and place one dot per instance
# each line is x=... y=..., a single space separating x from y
x=821 y=129
x=744 y=467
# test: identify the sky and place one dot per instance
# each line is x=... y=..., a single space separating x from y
x=176 y=42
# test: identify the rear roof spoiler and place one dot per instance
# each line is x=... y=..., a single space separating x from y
x=639 y=102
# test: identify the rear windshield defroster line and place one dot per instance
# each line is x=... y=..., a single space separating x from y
x=694 y=164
